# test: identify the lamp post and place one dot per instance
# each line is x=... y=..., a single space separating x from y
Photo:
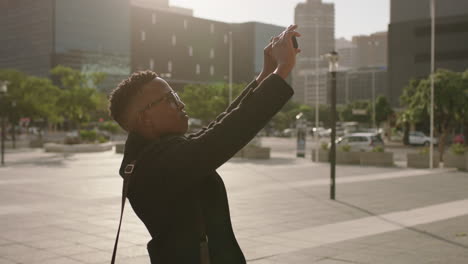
x=230 y=67
x=3 y=92
x=317 y=83
x=333 y=66
x=13 y=123
x=431 y=147
x=373 y=43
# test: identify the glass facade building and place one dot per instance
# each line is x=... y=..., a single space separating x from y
x=86 y=35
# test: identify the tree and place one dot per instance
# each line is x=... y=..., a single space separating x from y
x=346 y=114
x=449 y=102
x=79 y=98
x=207 y=101
x=383 y=110
x=465 y=109
x=33 y=97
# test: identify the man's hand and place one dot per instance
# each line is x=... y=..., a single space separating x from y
x=269 y=63
x=283 y=51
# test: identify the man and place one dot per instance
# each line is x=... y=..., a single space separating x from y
x=175 y=189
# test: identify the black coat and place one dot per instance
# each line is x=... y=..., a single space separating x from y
x=177 y=176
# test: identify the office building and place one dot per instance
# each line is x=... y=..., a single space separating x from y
x=38 y=35
x=317 y=20
x=409 y=41
x=371 y=50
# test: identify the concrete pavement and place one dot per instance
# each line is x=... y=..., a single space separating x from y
x=64 y=209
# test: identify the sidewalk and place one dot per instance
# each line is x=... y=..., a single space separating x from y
x=65 y=209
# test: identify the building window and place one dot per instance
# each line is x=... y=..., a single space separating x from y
x=185 y=24
x=197 y=69
x=174 y=40
x=190 y=51
x=153 y=18
x=211 y=28
x=143 y=35
x=169 y=66
x=225 y=38
x=212 y=53
x=212 y=70
x=151 y=64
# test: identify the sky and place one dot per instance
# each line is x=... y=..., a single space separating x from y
x=352 y=17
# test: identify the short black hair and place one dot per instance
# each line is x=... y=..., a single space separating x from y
x=121 y=96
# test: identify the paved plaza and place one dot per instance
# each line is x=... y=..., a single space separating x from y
x=64 y=209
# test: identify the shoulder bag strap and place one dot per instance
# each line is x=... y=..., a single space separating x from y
x=127 y=174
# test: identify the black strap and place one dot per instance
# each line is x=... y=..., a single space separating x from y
x=127 y=174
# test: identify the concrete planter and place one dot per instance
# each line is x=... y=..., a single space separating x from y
x=79 y=148
x=351 y=157
x=452 y=160
x=417 y=160
x=466 y=161
x=36 y=143
x=384 y=159
x=323 y=155
x=254 y=152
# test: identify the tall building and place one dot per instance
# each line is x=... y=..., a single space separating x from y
x=137 y=35
x=183 y=48
x=162 y=5
x=363 y=62
x=363 y=84
x=347 y=51
x=189 y=50
x=371 y=51
x=409 y=40
x=249 y=41
x=38 y=35
x=317 y=22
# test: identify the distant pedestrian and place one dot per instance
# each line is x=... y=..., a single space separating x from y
x=173 y=186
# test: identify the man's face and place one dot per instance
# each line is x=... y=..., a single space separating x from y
x=164 y=117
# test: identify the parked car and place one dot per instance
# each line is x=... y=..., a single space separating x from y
x=289 y=132
x=361 y=141
x=317 y=130
x=458 y=139
x=327 y=132
x=419 y=138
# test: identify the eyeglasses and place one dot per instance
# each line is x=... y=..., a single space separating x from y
x=172 y=96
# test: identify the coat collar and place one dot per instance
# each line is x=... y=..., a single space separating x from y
x=136 y=143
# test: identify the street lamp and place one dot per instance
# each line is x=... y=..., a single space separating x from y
x=230 y=67
x=317 y=84
x=13 y=122
x=373 y=43
x=333 y=66
x=3 y=92
x=431 y=148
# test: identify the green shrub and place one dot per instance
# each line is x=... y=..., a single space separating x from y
x=378 y=149
x=458 y=149
x=345 y=148
x=109 y=126
x=88 y=135
x=102 y=139
x=324 y=146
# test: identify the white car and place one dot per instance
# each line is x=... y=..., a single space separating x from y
x=361 y=141
x=419 y=138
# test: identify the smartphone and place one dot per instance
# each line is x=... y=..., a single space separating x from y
x=295 y=44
